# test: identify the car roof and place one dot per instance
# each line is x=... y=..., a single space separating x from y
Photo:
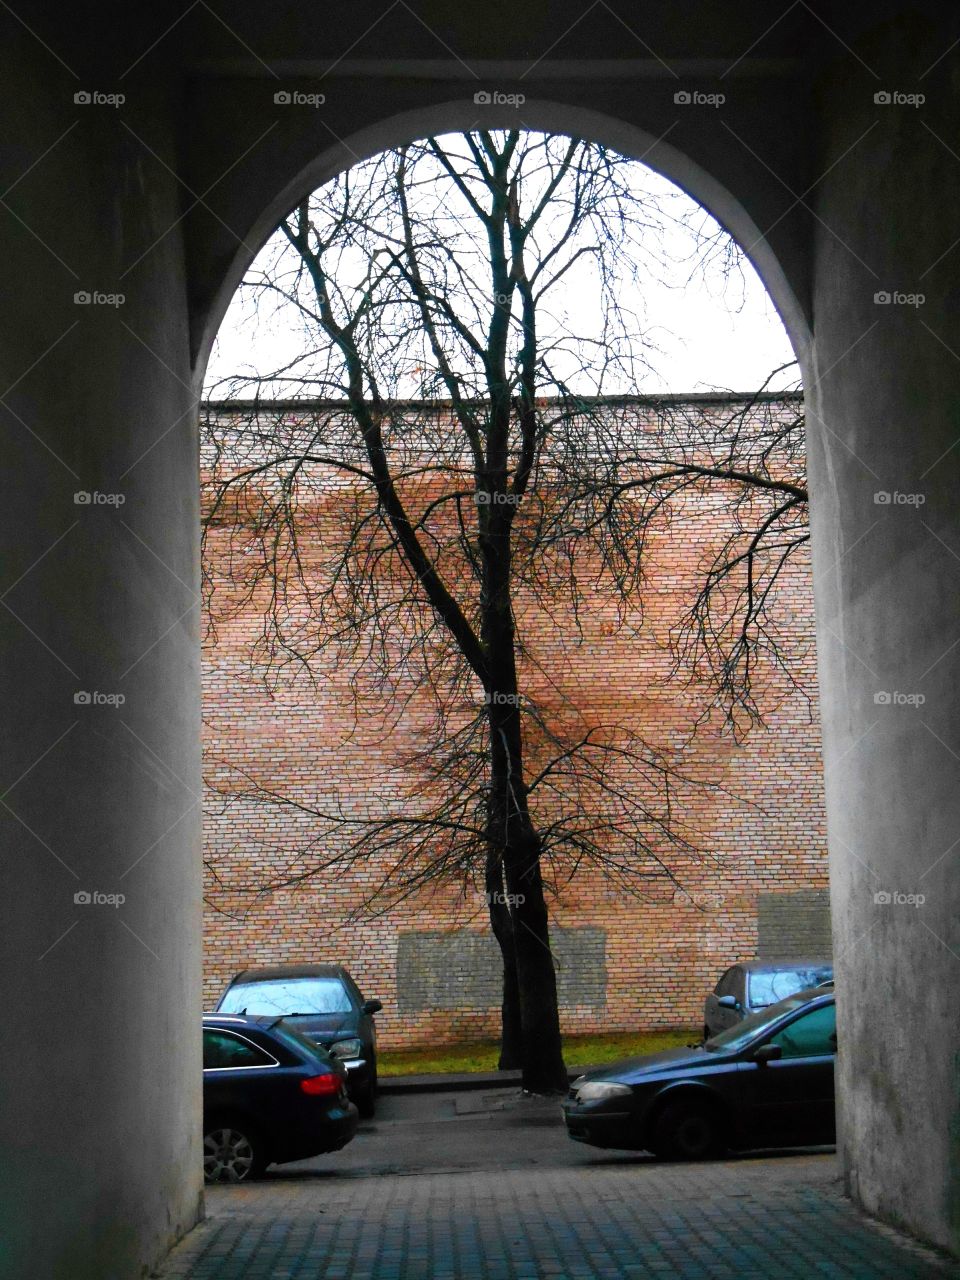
x=781 y=966
x=265 y=972
x=262 y=1021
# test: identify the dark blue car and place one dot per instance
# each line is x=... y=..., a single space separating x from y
x=765 y=1082
x=269 y=1096
x=327 y=1008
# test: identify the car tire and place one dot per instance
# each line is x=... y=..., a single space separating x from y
x=366 y=1100
x=687 y=1130
x=233 y=1151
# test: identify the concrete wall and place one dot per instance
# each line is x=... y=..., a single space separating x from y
x=883 y=420
x=100 y=1072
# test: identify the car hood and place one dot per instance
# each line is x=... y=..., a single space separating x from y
x=326 y=1027
x=627 y=1069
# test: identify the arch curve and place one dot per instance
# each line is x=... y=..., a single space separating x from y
x=542 y=115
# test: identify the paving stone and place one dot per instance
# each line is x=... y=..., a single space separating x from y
x=757 y=1218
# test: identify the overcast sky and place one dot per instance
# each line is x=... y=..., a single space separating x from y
x=712 y=333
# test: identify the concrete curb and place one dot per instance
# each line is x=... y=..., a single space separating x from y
x=460 y=1083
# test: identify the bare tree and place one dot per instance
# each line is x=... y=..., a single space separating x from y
x=438 y=270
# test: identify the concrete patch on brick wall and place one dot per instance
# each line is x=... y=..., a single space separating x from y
x=794 y=924
x=461 y=969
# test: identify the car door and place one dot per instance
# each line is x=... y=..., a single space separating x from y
x=238 y=1075
x=790 y=1100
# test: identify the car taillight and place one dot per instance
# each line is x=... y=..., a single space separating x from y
x=320 y=1086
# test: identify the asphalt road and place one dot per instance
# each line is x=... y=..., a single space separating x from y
x=464 y=1132
x=456 y=1132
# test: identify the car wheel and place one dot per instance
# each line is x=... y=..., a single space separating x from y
x=366 y=1098
x=687 y=1131
x=232 y=1152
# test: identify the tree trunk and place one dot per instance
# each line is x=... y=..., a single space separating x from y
x=543 y=1066
x=515 y=845
x=511 y=1040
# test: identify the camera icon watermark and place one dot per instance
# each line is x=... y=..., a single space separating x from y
x=95 y=298
x=94 y=698
x=883 y=698
x=498 y=699
x=884 y=498
x=697 y=98
x=494 y=98
x=94 y=498
x=898 y=298
x=504 y=899
x=484 y=498
x=95 y=98
x=295 y=98
x=896 y=898
x=85 y=898
x=897 y=98
x=703 y=900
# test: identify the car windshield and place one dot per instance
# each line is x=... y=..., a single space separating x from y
x=767 y=987
x=290 y=997
x=748 y=1028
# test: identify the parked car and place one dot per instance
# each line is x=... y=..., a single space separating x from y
x=326 y=1006
x=768 y=1081
x=758 y=984
x=269 y=1096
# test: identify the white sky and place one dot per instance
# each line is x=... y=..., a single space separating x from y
x=712 y=334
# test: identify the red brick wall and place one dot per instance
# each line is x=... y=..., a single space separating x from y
x=763 y=831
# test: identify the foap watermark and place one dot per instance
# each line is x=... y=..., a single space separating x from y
x=498 y=699
x=884 y=698
x=295 y=98
x=896 y=898
x=504 y=899
x=94 y=698
x=94 y=498
x=96 y=98
x=886 y=498
x=94 y=898
x=707 y=900
x=496 y=98
x=697 y=98
x=897 y=98
x=95 y=298
x=898 y=298
x=484 y=498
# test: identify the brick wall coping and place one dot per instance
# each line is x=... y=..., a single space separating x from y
x=673 y=398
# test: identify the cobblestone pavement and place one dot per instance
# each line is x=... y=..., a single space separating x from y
x=516 y=1200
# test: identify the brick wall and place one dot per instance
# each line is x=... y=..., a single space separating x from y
x=632 y=956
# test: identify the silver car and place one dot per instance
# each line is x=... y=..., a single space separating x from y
x=755 y=984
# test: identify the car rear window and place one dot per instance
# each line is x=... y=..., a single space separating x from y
x=767 y=987
x=288 y=997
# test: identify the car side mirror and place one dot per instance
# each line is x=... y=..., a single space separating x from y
x=767 y=1053
x=728 y=1002
x=372 y=1006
